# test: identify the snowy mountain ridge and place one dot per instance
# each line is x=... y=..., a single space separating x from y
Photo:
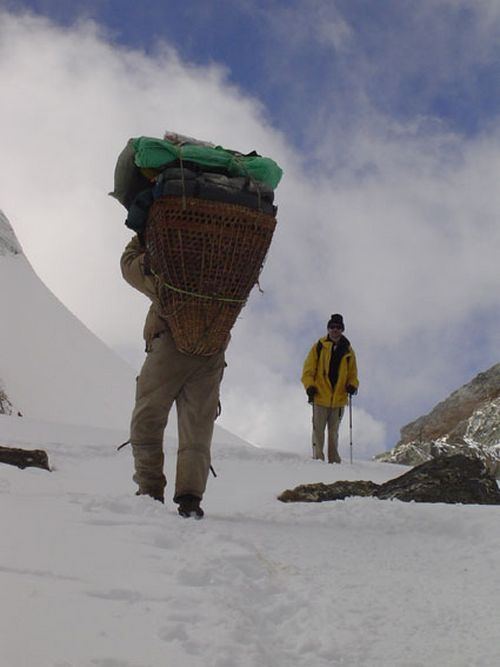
x=9 y=245
x=51 y=366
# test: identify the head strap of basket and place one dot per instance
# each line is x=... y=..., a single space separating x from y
x=206 y=256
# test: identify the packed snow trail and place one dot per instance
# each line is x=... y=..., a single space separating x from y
x=93 y=576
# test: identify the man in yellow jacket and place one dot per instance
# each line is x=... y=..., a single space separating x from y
x=329 y=376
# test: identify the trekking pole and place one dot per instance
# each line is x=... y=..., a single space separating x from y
x=310 y=400
x=350 y=425
x=312 y=439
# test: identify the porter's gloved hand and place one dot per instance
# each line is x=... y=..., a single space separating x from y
x=351 y=389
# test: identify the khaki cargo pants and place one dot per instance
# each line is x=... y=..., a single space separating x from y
x=193 y=383
x=330 y=418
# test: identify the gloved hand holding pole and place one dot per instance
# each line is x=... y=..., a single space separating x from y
x=311 y=393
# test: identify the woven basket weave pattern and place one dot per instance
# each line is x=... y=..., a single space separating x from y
x=207 y=256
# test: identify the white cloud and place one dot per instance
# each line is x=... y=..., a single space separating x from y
x=401 y=236
x=72 y=102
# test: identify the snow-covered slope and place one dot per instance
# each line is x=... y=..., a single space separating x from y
x=93 y=576
x=51 y=366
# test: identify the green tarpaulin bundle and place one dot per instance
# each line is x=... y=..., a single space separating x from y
x=153 y=153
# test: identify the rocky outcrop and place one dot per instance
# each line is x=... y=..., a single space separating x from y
x=448 y=479
x=9 y=245
x=467 y=422
x=319 y=492
x=6 y=407
x=24 y=458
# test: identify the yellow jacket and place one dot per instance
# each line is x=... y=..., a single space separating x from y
x=316 y=373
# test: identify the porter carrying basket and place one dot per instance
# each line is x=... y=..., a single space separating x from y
x=206 y=256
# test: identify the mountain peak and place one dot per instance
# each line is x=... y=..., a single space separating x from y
x=468 y=421
x=9 y=245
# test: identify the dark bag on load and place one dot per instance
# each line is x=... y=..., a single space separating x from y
x=188 y=183
x=129 y=181
x=176 y=182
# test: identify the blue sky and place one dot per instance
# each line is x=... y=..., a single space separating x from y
x=401 y=58
x=385 y=116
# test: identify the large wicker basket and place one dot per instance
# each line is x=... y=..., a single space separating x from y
x=206 y=256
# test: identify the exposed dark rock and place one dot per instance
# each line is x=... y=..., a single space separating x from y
x=449 y=479
x=24 y=458
x=5 y=404
x=317 y=493
x=453 y=479
x=9 y=245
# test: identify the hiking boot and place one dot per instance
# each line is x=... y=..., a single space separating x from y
x=152 y=494
x=189 y=506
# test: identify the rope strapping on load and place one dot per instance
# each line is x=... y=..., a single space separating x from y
x=198 y=296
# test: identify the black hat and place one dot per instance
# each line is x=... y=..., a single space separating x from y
x=336 y=319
